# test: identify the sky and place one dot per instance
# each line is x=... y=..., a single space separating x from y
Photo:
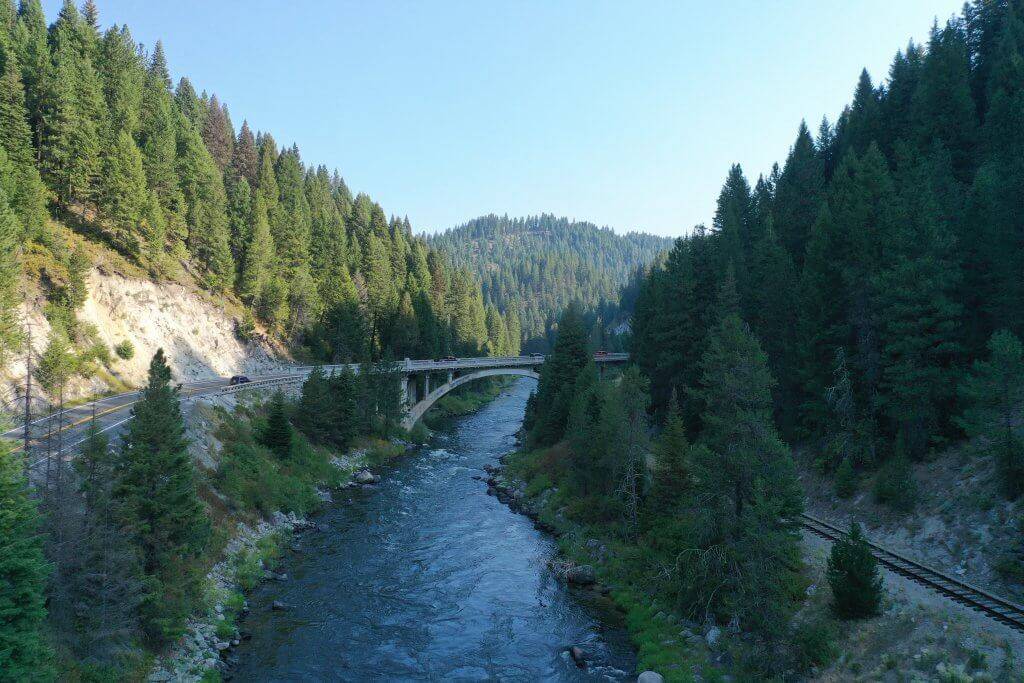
x=624 y=114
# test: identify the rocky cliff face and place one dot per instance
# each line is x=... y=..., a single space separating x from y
x=197 y=335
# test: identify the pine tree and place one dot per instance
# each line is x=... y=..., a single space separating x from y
x=245 y=161
x=277 y=434
x=105 y=577
x=33 y=52
x=898 y=104
x=798 y=195
x=72 y=106
x=342 y=388
x=735 y=395
x=918 y=313
x=26 y=192
x=943 y=108
x=993 y=392
x=292 y=223
x=123 y=196
x=158 y=140
x=218 y=133
x=312 y=413
x=24 y=652
x=672 y=475
x=240 y=218
x=853 y=575
x=155 y=494
x=209 y=240
x=744 y=556
x=590 y=465
x=10 y=277
x=189 y=104
x=381 y=295
x=257 y=257
x=846 y=479
x=123 y=76
x=624 y=432
x=863 y=121
x=558 y=375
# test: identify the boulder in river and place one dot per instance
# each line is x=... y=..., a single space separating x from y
x=278 y=606
x=580 y=574
x=650 y=677
x=365 y=477
x=579 y=656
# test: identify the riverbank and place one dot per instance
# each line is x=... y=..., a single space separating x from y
x=669 y=647
x=918 y=635
x=250 y=557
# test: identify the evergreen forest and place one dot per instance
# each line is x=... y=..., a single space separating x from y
x=95 y=137
x=538 y=265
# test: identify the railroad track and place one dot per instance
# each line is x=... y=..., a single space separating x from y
x=993 y=606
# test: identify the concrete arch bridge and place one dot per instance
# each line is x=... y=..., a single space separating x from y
x=419 y=396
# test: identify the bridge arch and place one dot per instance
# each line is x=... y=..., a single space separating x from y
x=419 y=409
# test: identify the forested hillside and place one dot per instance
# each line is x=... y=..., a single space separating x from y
x=95 y=138
x=864 y=301
x=879 y=264
x=538 y=265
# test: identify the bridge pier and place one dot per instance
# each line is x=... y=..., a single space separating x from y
x=407 y=387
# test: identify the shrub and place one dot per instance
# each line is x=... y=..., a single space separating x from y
x=853 y=576
x=248 y=570
x=125 y=350
x=245 y=329
x=895 y=485
x=537 y=485
x=814 y=644
x=846 y=479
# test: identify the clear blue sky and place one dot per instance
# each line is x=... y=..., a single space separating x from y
x=625 y=114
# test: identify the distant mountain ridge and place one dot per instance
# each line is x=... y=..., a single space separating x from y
x=540 y=264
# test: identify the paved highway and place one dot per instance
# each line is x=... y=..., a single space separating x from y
x=67 y=432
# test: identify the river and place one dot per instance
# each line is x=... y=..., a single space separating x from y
x=426 y=577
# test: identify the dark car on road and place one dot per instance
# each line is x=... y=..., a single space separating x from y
x=238 y=379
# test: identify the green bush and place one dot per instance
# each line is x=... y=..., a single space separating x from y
x=814 y=644
x=895 y=485
x=248 y=571
x=845 y=479
x=538 y=485
x=245 y=329
x=125 y=349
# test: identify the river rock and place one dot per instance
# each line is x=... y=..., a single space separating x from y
x=278 y=606
x=650 y=677
x=222 y=645
x=579 y=656
x=365 y=477
x=581 y=574
x=713 y=635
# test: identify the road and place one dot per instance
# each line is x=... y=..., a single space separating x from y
x=67 y=431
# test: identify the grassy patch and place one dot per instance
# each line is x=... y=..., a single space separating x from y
x=655 y=633
x=465 y=400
